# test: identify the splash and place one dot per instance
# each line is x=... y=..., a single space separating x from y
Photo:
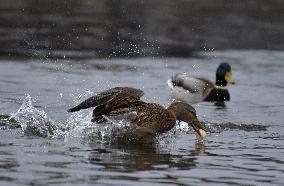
x=7 y=123
x=33 y=121
x=180 y=129
x=80 y=126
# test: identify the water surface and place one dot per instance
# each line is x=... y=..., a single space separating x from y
x=42 y=144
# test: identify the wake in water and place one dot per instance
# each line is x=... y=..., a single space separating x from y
x=34 y=121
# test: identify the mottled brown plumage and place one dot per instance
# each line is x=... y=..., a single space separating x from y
x=107 y=96
x=147 y=117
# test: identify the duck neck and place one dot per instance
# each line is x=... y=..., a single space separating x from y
x=221 y=82
x=220 y=77
x=173 y=110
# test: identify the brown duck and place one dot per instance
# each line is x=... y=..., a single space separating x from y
x=149 y=118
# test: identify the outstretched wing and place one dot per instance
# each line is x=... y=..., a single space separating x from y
x=109 y=97
x=119 y=105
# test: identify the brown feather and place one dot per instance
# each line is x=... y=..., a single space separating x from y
x=149 y=117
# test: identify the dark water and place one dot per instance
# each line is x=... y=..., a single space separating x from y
x=42 y=144
x=111 y=28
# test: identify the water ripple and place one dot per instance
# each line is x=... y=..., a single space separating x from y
x=219 y=127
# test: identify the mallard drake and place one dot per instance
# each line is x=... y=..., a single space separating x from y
x=193 y=90
x=148 y=118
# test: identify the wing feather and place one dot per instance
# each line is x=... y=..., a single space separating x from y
x=108 y=97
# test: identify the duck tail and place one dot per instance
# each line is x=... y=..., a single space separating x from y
x=171 y=82
x=173 y=79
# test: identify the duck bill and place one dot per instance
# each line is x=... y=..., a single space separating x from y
x=198 y=129
x=229 y=78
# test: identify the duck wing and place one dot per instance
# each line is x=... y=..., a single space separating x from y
x=109 y=97
x=191 y=84
x=190 y=89
x=148 y=118
x=119 y=105
x=142 y=114
x=154 y=117
x=206 y=86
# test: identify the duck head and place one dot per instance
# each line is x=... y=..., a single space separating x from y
x=185 y=112
x=224 y=75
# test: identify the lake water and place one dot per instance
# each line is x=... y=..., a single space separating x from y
x=42 y=144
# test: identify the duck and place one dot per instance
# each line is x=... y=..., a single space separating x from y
x=193 y=90
x=146 y=118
